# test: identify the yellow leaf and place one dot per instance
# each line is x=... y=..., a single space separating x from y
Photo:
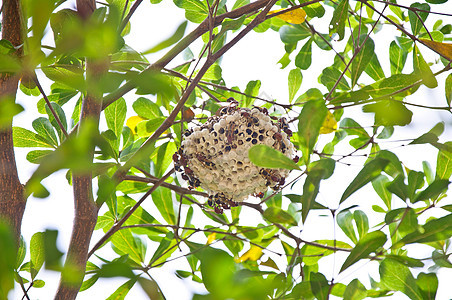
x=211 y=237
x=443 y=49
x=296 y=16
x=133 y=121
x=253 y=254
x=329 y=125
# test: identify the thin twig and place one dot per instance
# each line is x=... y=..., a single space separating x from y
x=129 y=15
x=57 y=119
x=117 y=226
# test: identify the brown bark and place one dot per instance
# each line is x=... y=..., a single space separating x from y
x=12 y=202
x=85 y=217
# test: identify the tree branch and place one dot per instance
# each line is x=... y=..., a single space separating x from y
x=184 y=43
x=85 y=208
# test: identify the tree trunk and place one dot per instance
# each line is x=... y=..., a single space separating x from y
x=12 y=202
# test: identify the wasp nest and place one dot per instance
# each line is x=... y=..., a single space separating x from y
x=215 y=154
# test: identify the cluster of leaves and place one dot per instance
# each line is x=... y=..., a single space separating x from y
x=222 y=254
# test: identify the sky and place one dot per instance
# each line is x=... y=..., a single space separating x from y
x=252 y=58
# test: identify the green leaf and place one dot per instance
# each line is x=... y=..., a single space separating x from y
x=177 y=35
x=61 y=115
x=52 y=254
x=428 y=285
x=418 y=17
x=164 y=250
x=363 y=58
x=59 y=95
x=397 y=58
x=379 y=185
x=294 y=81
x=9 y=63
x=329 y=77
x=7 y=260
x=422 y=69
x=366 y=245
x=163 y=200
x=252 y=89
x=319 y=286
x=290 y=34
x=432 y=192
x=415 y=182
x=35 y=156
x=310 y=119
x=448 y=89
x=89 y=283
x=9 y=109
x=115 y=115
x=311 y=94
x=123 y=290
x=394 y=168
x=428 y=172
x=398 y=187
x=304 y=57
x=45 y=129
x=314 y=9
x=276 y=215
x=163 y=157
x=214 y=73
x=151 y=288
x=396 y=276
x=125 y=243
x=67 y=75
x=321 y=169
x=433 y=230
x=389 y=113
x=344 y=220
x=409 y=222
x=362 y=223
x=312 y=254
x=337 y=24
x=25 y=138
x=147 y=128
x=38 y=283
x=21 y=252
x=37 y=253
x=374 y=69
x=146 y=108
x=355 y=290
x=444 y=163
x=395 y=85
x=351 y=127
x=267 y=157
x=369 y=172
x=240 y=3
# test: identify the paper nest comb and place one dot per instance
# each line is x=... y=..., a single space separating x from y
x=214 y=155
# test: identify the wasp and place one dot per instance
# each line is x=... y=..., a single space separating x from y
x=284 y=126
x=259 y=195
x=274 y=180
x=230 y=133
x=204 y=160
x=227 y=109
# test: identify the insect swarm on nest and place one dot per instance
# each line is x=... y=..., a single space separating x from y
x=214 y=155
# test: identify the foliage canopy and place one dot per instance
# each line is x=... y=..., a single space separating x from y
x=116 y=148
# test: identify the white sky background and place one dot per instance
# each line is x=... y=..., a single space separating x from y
x=254 y=57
